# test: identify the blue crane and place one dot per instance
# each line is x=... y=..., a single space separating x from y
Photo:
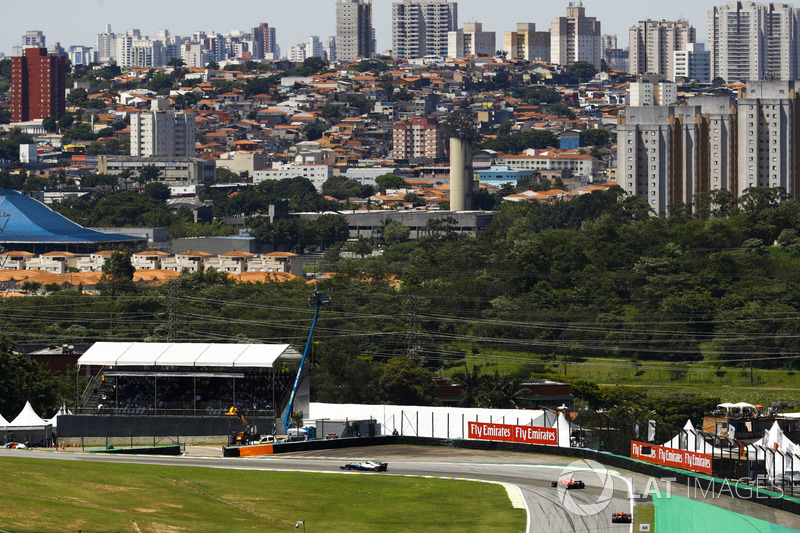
x=316 y=300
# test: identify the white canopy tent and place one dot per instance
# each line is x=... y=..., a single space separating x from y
x=30 y=424
x=62 y=411
x=780 y=455
x=692 y=439
x=27 y=419
x=128 y=354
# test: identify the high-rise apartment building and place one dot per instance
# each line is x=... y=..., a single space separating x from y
x=420 y=27
x=38 y=85
x=527 y=43
x=692 y=63
x=354 y=33
x=106 y=45
x=31 y=39
x=752 y=41
x=769 y=146
x=81 y=55
x=576 y=37
x=653 y=43
x=471 y=40
x=648 y=93
x=162 y=133
x=420 y=138
x=667 y=154
x=329 y=50
x=265 y=42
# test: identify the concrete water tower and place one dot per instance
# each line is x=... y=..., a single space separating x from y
x=460 y=129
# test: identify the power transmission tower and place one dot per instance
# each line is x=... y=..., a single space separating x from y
x=174 y=309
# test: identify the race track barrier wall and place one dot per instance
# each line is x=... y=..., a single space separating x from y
x=152 y=450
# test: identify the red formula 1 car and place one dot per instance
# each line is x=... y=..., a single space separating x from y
x=621 y=518
x=568 y=483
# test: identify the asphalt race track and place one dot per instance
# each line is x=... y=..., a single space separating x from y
x=532 y=474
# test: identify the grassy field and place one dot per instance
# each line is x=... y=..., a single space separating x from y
x=61 y=496
x=730 y=384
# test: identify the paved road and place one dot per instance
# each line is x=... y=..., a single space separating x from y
x=530 y=473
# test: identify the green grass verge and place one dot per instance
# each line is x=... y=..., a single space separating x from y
x=659 y=378
x=43 y=495
x=644 y=514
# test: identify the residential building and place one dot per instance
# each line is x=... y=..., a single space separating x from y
x=753 y=41
x=769 y=149
x=645 y=93
x=31 y=39
x=354 y=33
x=573 y=161
x=692 y=63
x=329 y=50
x=81 y=55
x=34 y=39
x=667 y=154
x=162 y=133
x=106 y=45
x=653 y=42
x=418 y=138
x=471 y=41
x=265 y=42
x=38 y=85
x=576 y=37
x=195 y=55
x=314 y=47
x=297 y=54
x=420 y=27
x=617 y=59
x=316 y=174
x=527 y=43
x=174 y=171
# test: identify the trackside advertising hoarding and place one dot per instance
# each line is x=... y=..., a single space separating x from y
x=696 y=462
x=521 y=434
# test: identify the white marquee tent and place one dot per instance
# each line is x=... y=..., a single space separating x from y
x=780 y=454
x=28 y=425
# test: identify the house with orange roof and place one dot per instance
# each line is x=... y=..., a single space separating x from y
x=192 y=261
x=230 y=262
x=276 y=262
x=15 y=260
x=148 y=260
x=52 y=262
x=93 y=262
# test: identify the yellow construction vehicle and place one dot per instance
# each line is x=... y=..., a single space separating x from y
x=245 y=436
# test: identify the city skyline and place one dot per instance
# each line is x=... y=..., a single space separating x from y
x=182 y=17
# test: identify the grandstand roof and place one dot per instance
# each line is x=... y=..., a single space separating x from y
x=122 y=354
x=31 y=221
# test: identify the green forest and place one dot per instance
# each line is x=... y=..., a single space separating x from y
x=596 y=278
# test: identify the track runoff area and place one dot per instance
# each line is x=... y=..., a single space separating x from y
x=559 y=494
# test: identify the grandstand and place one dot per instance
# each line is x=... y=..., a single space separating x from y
x=145 y=389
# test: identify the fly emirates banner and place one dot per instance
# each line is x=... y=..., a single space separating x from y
x=696 y=462
x=521 y=434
